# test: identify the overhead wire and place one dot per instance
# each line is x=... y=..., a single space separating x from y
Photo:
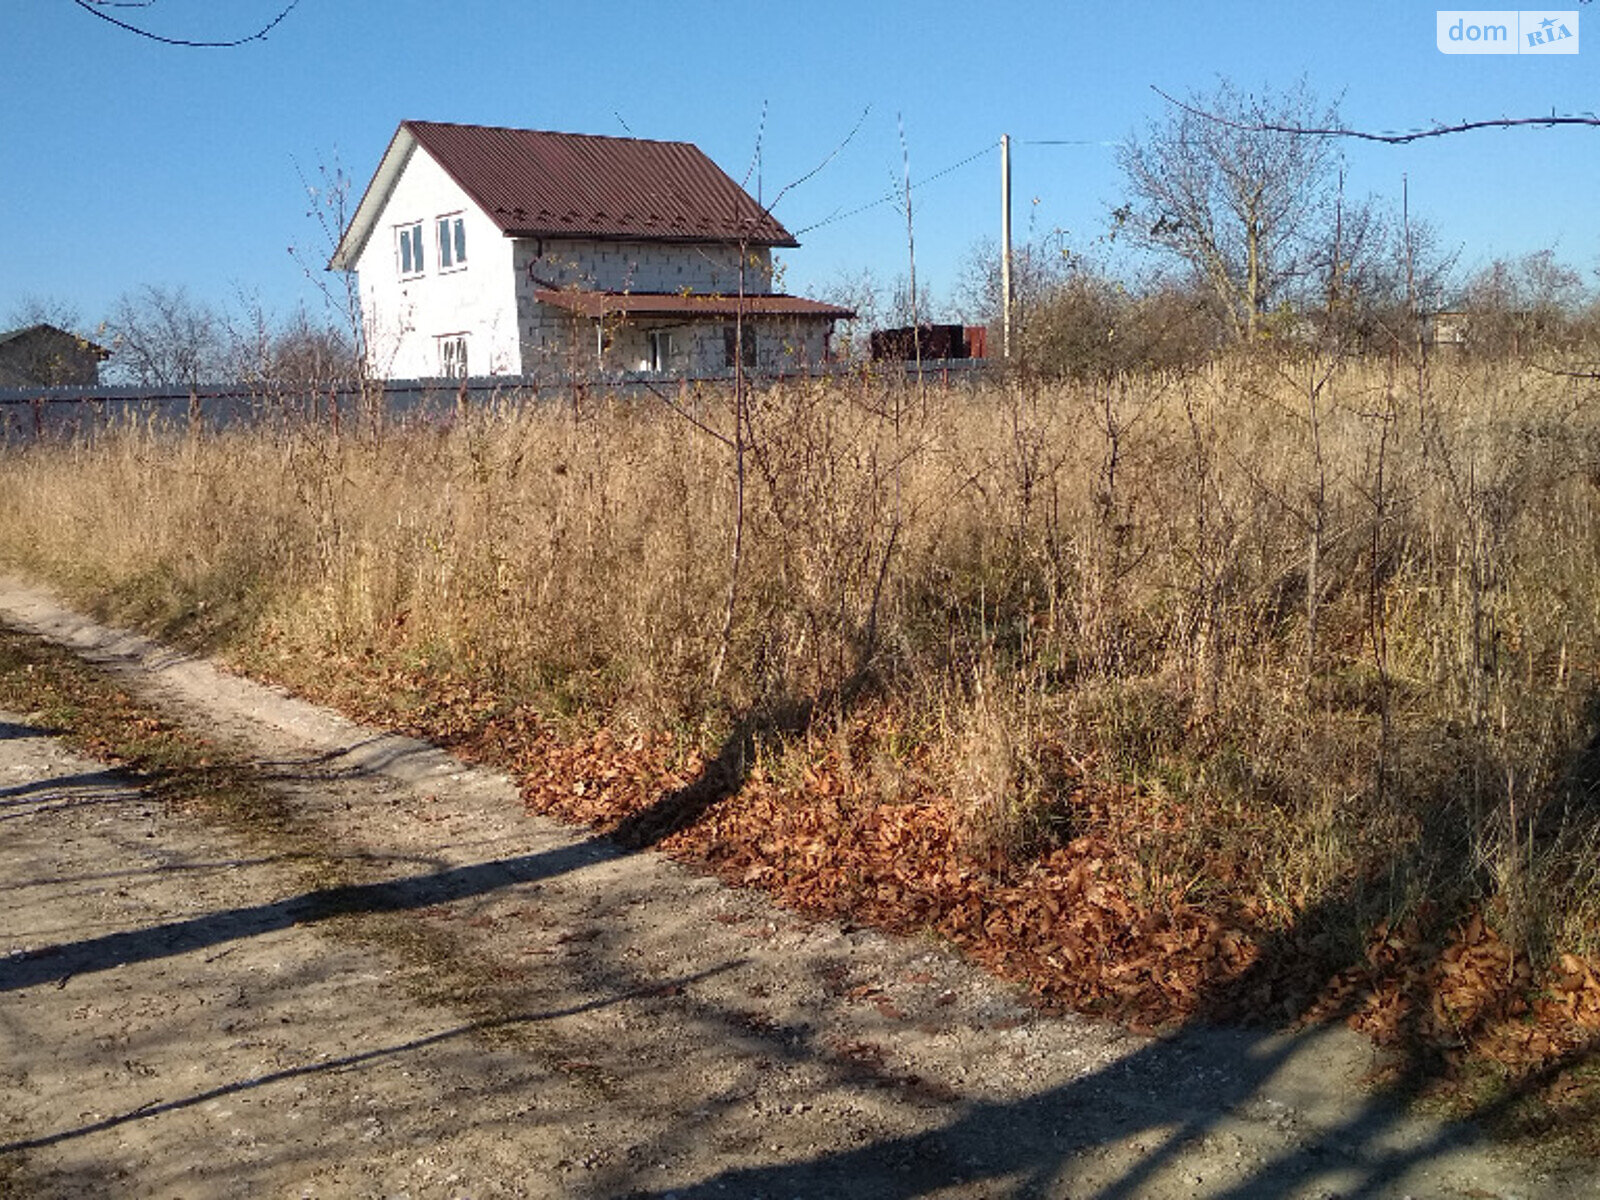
x=95 y=7
x=1062 y=142
x=891 y=197
x=894 y=196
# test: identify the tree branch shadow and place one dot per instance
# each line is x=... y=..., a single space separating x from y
x=53 y=964
x=721 y=778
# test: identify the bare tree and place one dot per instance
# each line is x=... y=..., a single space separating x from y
x=331 y=195
x=45 y=310
x=861 y=292
x=308 y=354
x=1040 y=267
x=294 y=355
x=160 y=336
x=906 y=308
x=1238 y=201
x=1519 y=305
x=1376 y=273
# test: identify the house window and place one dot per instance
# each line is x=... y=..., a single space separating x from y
x=453 y=356
x=661 y=350
x=735 y=340
x=452 y=243
x=411 y=262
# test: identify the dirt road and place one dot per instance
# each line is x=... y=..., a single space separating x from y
x=421 y=991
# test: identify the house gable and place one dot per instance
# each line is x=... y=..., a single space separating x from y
x=435 y=274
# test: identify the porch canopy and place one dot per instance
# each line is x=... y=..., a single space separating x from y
x=690 y=304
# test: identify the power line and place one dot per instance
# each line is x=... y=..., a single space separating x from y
x=1063 y=142
x=1392 y=139
x=892 y=197
x=97 y=8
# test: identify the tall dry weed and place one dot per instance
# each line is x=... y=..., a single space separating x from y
x=1336 y=621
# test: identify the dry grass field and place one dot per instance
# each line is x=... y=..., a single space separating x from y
x=1265 y=688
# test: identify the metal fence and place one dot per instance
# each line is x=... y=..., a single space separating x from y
x=29 y=414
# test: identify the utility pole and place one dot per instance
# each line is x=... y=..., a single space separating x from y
x=1005 y=244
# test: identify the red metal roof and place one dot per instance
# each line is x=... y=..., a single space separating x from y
x=540 y=184
x=678 y=304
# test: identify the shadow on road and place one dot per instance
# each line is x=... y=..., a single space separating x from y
x=343 y=1063
x=10 y=731
x=20 y=801
x=56 y=963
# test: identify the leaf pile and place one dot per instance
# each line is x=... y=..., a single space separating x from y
x=1472 y=995
x=1073 y=924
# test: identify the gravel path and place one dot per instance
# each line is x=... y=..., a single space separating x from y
x=187 y=1012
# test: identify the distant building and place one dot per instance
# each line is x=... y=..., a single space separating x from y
x=487 y=251
x=1446 y=328
x=44 y=356
x=930 y=342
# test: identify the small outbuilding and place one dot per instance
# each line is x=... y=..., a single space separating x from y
x=45 y=356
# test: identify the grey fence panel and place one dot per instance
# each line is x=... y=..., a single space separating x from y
x=29 y=414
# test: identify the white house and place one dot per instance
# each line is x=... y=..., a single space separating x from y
x=489 y=251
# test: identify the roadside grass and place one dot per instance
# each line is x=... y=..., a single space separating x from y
x=1268 y=689
x=68 y=699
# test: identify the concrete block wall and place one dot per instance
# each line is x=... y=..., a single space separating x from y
x=638 y=266
x=555 y=341
x=559 y=343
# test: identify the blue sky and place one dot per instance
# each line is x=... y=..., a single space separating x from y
x=126 y=162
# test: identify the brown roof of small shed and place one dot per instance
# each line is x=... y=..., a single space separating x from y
x=534 y=183
x=692 y=304
x=52 y=331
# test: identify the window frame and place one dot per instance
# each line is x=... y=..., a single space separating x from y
x=408 y=246
x=454 y=346
x=451 y=241
x=661 y=348
x=745 y=339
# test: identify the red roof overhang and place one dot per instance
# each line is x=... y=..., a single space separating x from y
x=693 y=304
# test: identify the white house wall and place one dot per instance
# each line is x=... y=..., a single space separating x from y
x=405 y=318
